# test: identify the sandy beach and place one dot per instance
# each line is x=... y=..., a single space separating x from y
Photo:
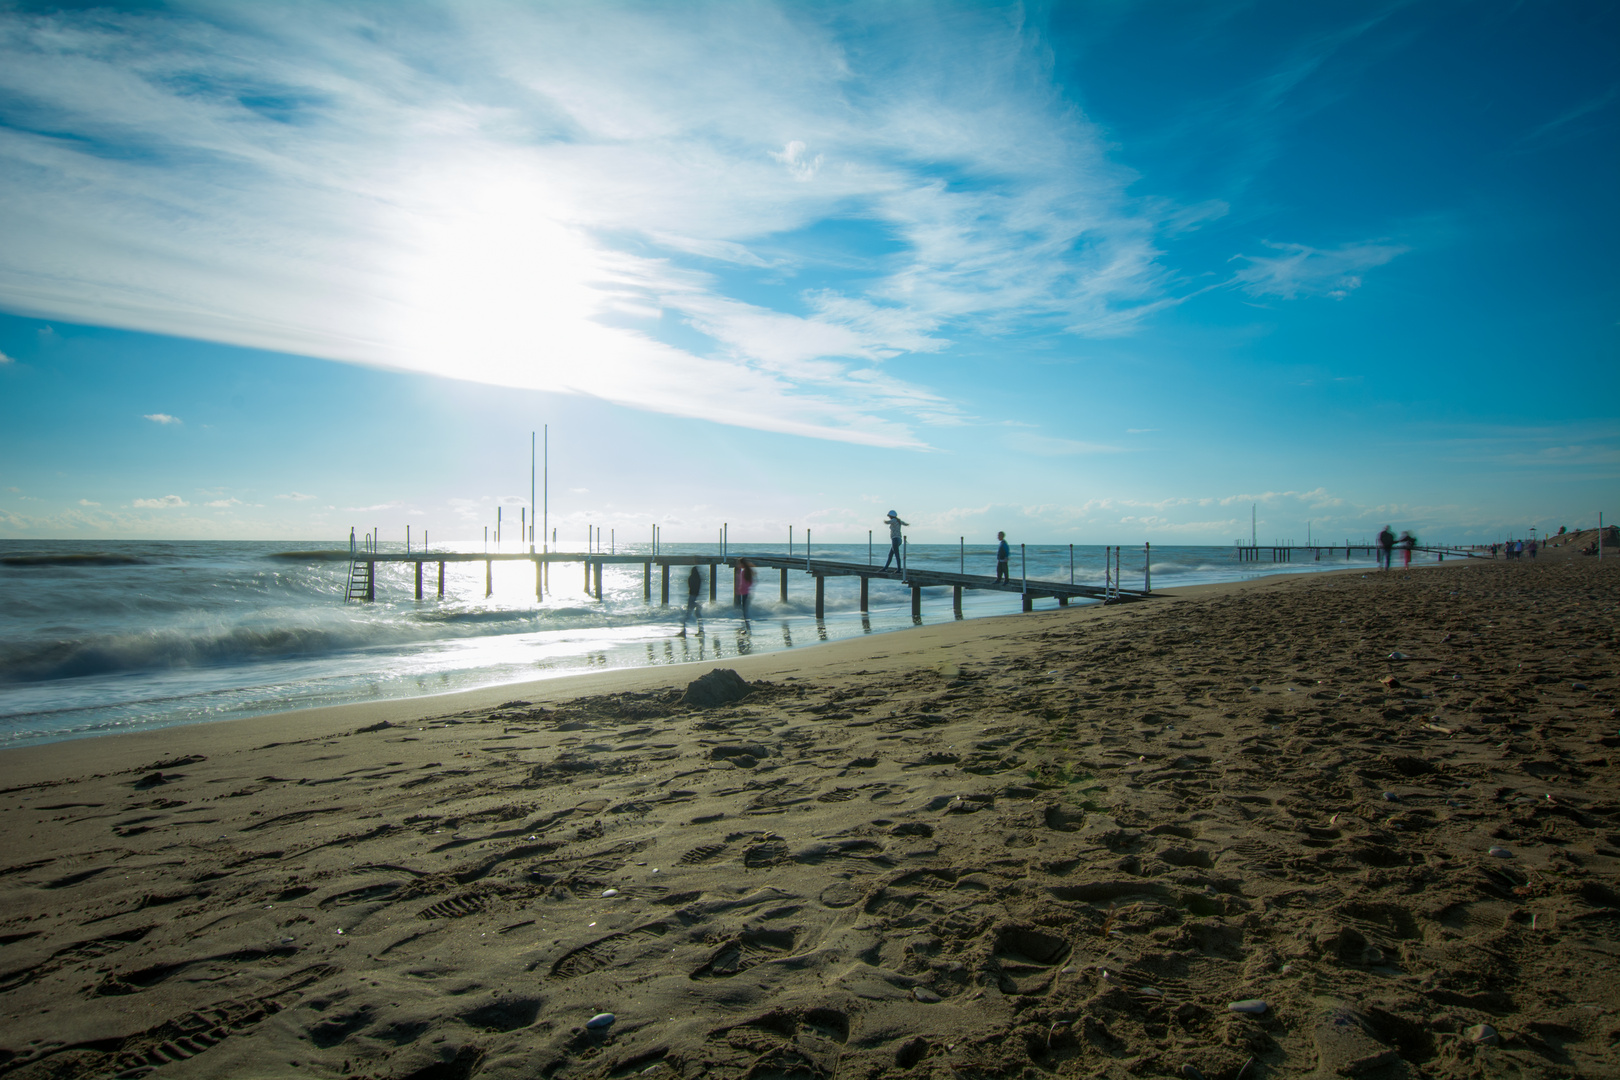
x=1349 y=824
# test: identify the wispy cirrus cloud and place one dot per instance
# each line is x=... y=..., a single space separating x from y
x=1298 y=270
x=539 y=193
x=161 y=418
x=165 y=502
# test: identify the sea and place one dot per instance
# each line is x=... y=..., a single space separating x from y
x=103 y=637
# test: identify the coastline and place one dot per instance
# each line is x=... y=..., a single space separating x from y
x=1059 y=842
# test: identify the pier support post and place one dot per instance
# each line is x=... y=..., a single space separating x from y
x=489 y=578
x=371 y=580
x=916 y=601
x=1063 y=601
x=821 y=594
x=714 y=580
x=865 y=581
x=599 y=581
x=539 y=579
x=784 y=584
x=646 y=581
x=736 y=586
x=663 y=586
x=956 y=599
x=1029 y=602
x=441 y=579
x=419 y=579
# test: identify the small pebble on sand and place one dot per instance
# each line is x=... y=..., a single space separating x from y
x=1252 y=1006
x=1501 y=853
x=610 y=892
x=923 y=994
x=601 y=1021
x=1482 y=1034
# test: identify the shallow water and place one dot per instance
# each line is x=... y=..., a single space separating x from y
x=117 y=636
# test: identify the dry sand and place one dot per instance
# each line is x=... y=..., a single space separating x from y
x=1052 y=844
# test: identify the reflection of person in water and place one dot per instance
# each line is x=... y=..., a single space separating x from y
x=694 y=590
x=745 y=586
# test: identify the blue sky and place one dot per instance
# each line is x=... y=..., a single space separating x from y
x=1092 y=273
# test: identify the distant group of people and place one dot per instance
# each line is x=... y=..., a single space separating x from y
x=896 y=558
x=1387 y=543
x=1515 y=549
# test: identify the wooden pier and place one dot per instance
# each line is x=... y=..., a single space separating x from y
x=1324 y=552
x=363 y=576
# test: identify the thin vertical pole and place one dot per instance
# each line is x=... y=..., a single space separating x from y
x=408 y=543
x=1071 y=564
x=1023 y=557
x=1147 y=566
x=531 y=496
x=613 y=541
x=497 y=528
x=790 y=541
x=961 y=554
x=807 y=550
x=868 y=547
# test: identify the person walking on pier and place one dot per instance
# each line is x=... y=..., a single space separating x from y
x=694 y=591
x=894 y=524
x=1003 y=554
x=1386 y=547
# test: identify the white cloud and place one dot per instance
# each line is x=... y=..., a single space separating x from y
x=526 y=200
x=1306 y=271
x=296 y=496
x=161 y=418
x=225 y=502
x=4 y=360
x=167 y=502
x=87 y=502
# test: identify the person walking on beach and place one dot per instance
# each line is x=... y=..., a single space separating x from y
x=1386 y=547
x=894 y=523
x=1003 y=553
x=1407 y=543
x=745 y=587
x=694 y=611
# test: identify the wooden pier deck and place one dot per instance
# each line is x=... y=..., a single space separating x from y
x=363 y=575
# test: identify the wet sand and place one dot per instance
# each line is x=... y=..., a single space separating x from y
x=1382 y=806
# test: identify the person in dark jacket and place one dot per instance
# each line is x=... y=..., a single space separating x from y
x=694 y=591
x=1003 y=553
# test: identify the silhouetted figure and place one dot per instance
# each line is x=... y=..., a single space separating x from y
x=1407 y=542
x=1386 y=547
x=1003 y=553
x=894 y=523
x=694 y=592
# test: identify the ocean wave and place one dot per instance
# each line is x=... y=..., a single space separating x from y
x=150 y=650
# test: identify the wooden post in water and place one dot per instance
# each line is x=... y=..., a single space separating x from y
x=419 y=579
x=865 y=581
x=587 y=565
x=821 y=595
x=599 y=579
x=956 y=599
x=371 y=579
x=539 y=575
x=916 y=601
x=784 y=584
x=441 y=578
x=714 y=580
x=736 y=586
x=1147 y=567
x=646 y=581
x=663 y=585
x=489 y=578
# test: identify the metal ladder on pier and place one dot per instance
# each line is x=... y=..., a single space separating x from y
x=362 y=583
